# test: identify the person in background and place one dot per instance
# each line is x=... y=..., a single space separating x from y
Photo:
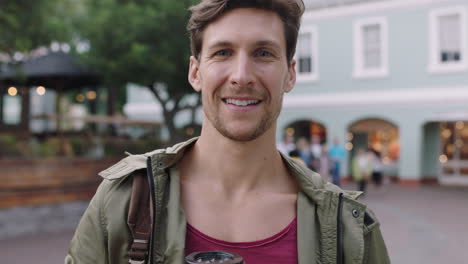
x=287 y=145
x=325 y=163
x=304 y=152
x=315 y=146
x=376 y=160
x=316 y=151
x=361 y=169
x=337 y=155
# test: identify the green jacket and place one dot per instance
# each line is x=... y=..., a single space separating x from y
x=102 y=235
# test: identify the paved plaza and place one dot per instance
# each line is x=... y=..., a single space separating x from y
x=425 y=225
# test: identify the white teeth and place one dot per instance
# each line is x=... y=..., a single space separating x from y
x=241 y=102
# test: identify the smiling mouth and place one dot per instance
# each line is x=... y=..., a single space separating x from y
x=238 y=102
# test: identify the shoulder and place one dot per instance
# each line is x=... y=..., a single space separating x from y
x=311 y=183
x=317 y=189
x=116 y=183
x=138 y=163
x=126 y=166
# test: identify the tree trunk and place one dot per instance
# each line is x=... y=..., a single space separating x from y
x=111 y=108
x=174 y=134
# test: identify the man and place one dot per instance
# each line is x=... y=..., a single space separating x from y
x=231 y=189
x=337 y=154
x=361 y=168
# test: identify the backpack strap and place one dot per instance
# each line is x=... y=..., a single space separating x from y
x=140 y=218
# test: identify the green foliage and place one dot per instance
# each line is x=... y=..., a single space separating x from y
x=48 y=149
x=138 y=41
x=13 y=146
x=80 y=145
x=8 y=146
x=143 y=42
x=26 y=25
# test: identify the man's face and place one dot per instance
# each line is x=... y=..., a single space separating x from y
x=242 y=73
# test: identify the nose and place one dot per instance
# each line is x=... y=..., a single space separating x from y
x=242 y=74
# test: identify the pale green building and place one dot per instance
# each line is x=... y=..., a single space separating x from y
x=391 y=75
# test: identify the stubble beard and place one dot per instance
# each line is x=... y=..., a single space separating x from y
x=265 y=123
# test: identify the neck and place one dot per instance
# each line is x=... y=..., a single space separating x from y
x=234 y=167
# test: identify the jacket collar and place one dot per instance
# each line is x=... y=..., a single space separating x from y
x=310 y=182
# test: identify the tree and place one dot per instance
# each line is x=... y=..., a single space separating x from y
x=142 y=42
x=26 y=25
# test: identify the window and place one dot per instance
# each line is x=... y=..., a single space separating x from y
x=11 y=109
x=306 y=55
x=370 y=48
x=448 y=44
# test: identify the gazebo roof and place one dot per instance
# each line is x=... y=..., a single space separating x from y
x=54 y=70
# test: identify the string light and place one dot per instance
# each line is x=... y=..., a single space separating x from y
x=40 y=90
x=443 y=158
x=80 y=98
x=91 y=95
x=12 y=91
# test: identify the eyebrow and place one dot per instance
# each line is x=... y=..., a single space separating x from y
x=219 y=44
x=268 y=43
x=224 y=43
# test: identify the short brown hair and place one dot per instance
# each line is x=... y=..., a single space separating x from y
x=207 y=11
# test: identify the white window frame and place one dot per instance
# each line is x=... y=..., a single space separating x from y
x=312 y=76
x=360 y=72
x=435 y=65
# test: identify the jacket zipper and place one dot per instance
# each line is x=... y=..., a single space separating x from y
x=149 y=173
x=339 y=257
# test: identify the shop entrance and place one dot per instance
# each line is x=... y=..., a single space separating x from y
x=306 y=129
x=305 y=140
x=453 y=157
x=376 y=135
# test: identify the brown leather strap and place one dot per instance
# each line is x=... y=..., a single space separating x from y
x=139 y=218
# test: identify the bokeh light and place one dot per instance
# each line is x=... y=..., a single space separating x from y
x=12 y=91
x=40 y=90
x=91 y=95
x=80 y=98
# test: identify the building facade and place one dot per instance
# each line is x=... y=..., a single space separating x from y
x=391 y=75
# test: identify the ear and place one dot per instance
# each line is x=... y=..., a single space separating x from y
x=193 y=75
x=291 y=80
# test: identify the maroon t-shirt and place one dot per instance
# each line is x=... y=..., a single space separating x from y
x=279 y=248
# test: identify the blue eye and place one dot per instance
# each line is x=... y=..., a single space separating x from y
x=264 y=53
x=223 y=53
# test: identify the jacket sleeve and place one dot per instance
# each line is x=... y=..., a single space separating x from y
x=88 y=245
x=375 y=249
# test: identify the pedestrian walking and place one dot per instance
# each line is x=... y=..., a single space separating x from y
x=287 y=145
x=303 y=150
x=337 y=155
x=325 y=163
x=316 y=152
x=376 y=161
x=361 y=169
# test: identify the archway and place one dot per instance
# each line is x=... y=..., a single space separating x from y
x=378 y=135
x=305 y=129
x=453 y=152
x=303 y=139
